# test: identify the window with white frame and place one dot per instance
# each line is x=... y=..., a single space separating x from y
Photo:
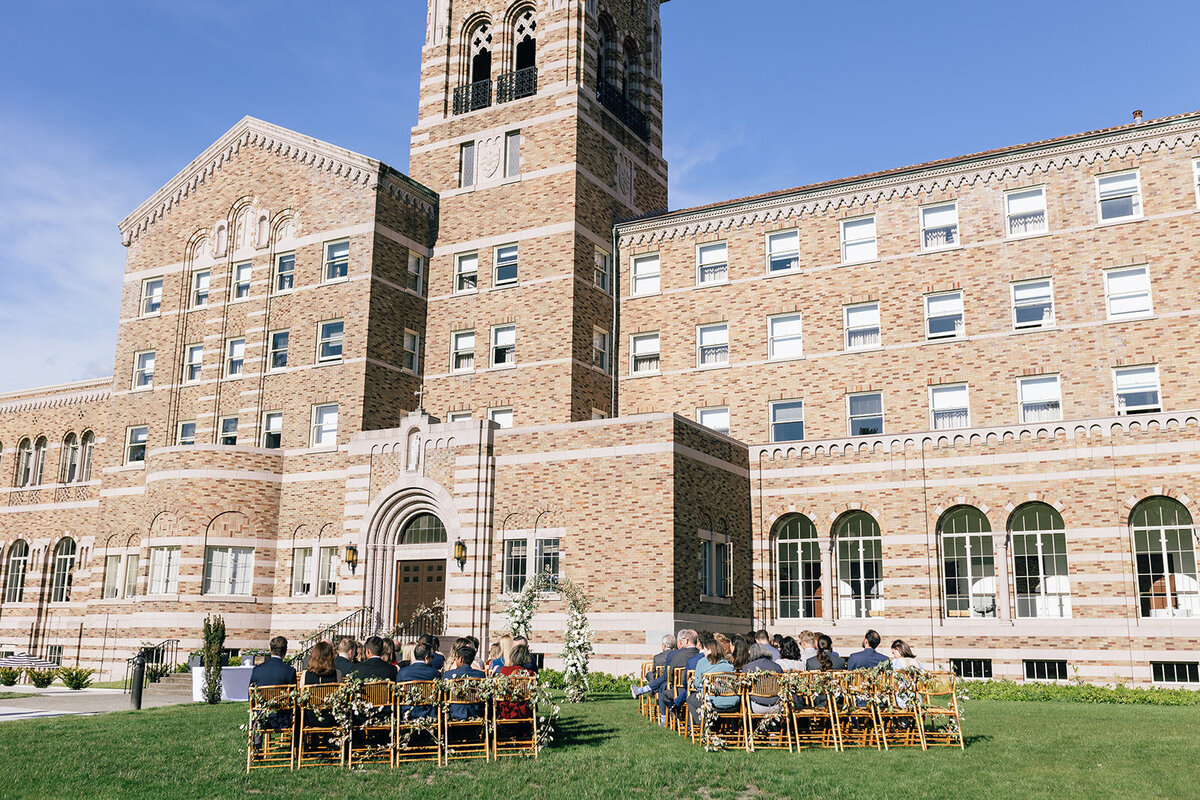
x=152 y=296
x=228 y=431
x=784 y=339
x=412 y=351
x=968 y=563
x=600 y=349
x=646 y=274
x=62 y=576
x=240 y=288
x=337 y=260
x=1137 y=390
x=324 y=425
x=950 y=406
x=1033 y=304
x=602 y=269
x=235 y=357
x=506 y=265
x=787 y=420
x=1165 y=558
x=859 y=566
x=112 y=569
x=135 y=444
x=1040 y=398
x=1039 y=554
x=1127 y=292
x=302 y=566
x=228 y=570
x=1025 y=212
x=200 y=281
x=415 y=276
x=712 y=345
x=458 y=416
x=143 y=370
x=1196 y=179
x=164 y=570
x=285 y=272
x=466 y=272
x=466 y=164
x=131 y=574
x=272 y=430
x=712 y=264
x=329 y=341
x=512 y=154
x=187 y=434
x=944 y=316
x=462 y=351
x=865 y=412
x=939 y=226
x=327 y=577
x=716 y=565
x=716 y=418
x=528 y=556
x=504 y=346
x=862 y=326
x=1119 y=196
x=643 y=353
x=858 y=240
x=277 y=352
x=501 y=416
x=193 y=359
x=15 y=571
x=783 y=251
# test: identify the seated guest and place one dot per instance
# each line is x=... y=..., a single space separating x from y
x=868 y=656
x=688 y=641
x=826 y=658
x=808 y=645
x=439 y=660
x=530 y=663
x=517 y=660
x=493 y=656
x=374 y=668
x=740 y=654
x=464 y=656
x=679 y=704
x=776 y=640
x=765 y=640
x=274 y=671
x=321 y=666
x=658 y=660
x=761 y=661
x=479 y=663
x=789 y=655
x=347 y=655
x=421 y=669
x=714 y=661
x=902 y=656
x=389 y=650
x=506 y=646
x=406 y=654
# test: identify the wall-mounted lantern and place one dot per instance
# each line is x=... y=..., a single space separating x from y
x=351 y=557
x=460 y=554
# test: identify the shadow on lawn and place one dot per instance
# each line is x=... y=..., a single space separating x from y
x=977 y=738
x=588 y=733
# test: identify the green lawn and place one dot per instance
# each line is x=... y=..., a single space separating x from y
x=603 y=749
x=16 y=695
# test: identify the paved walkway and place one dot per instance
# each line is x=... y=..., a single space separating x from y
x=58 y=701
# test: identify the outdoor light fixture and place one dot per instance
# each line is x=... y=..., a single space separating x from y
x=460 y=554
x=351 y=557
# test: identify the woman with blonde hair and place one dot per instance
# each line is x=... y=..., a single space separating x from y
x=506 y=648
x=407 y=653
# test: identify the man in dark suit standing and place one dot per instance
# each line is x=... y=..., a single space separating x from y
x=463 y=657
x=347 y=655
x=274 y=671
x=688 y=647
x=374 y=668
x=868 y=656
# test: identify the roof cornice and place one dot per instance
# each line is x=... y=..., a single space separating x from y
x=1011 y=162
x=251 y=132
x=64 y=394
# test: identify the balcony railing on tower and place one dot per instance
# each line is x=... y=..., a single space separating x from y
x=614 y=100
x=515 y=85
x=472 y=96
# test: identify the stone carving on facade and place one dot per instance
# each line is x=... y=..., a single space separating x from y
x=625 y=175
x=490 y=152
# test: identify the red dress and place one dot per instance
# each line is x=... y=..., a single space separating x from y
x=509 y=709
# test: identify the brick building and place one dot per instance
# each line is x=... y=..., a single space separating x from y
x=948 y=401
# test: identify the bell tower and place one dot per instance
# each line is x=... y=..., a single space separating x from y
x=540 y=125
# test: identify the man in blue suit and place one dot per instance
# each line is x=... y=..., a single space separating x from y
x=868 y=656
x=274 y=671
x=463 y=657
x=421 y=669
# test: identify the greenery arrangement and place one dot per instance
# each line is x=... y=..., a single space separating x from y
x=598 y=682
x=1080 y=692
x=41 y=678
x=577 y=643
x=156 y=672
x=214 y=641
x=76 y=677
x=9 y=675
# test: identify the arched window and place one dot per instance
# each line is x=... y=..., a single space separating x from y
x=630 y=85
x=69 y=464
x=1164 y=549
x=1039 y=554
x=525 y=40
x=480 y=42
x=423 y=529
x=968 y=565
x=14 y=572
x=63 y=571
x=860 y=565
x=798 y=565
x=86 y=446
x=39 y=461
x=607 y=54
x=24 y=463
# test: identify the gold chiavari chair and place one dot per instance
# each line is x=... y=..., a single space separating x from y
x=812 y=715
x=372 y=738
x=318 y=728
x=775 y=734
x=465 y=720
x=856 y=711
x=727 y=723
x=271 y=733
x=647 y=702
x=418 y=728
x=680 y=681
x=940 y=716
x=899 y=725
x=514 y=719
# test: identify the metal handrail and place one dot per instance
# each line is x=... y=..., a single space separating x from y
x=515 y=85
x=165 y=652
x=358 y=625
x=472 y=96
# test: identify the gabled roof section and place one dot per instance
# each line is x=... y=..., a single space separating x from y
x=252 y=132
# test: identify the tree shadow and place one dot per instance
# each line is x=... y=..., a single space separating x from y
x=976 y=738
x=585 y=732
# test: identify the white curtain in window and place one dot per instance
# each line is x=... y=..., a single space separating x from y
x=788 y=412
x=645 y=345
x=714 y=335
x=1031 y=292
x=786 y=242
x=1137 y=379
x=935 y=217
x=863 y=316
x=1040 y=390
x=1026 y=202
x=712 y=254
x=944 y=304
x=1118 y=185
x=949 y=397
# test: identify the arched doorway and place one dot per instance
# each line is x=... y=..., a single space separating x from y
x=420 y=582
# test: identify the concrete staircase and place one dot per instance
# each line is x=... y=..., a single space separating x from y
x=176 y=687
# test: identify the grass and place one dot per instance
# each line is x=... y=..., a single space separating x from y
x=604 y=749
x=15 y=695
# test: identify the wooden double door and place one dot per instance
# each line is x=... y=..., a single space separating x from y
x=419 y=584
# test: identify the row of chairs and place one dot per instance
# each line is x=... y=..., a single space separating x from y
x=833 y=709
x=383 y=722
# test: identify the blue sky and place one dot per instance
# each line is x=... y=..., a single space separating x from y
x=101 y=103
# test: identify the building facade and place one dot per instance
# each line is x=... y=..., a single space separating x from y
x=950 y=401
